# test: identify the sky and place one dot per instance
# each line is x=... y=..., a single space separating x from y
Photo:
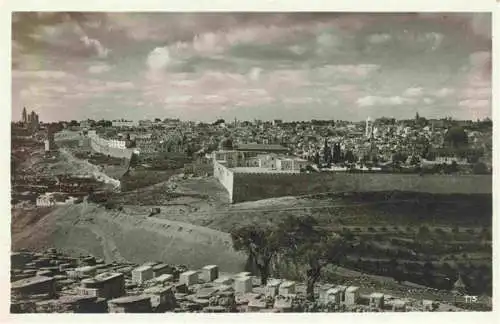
x=290 y=66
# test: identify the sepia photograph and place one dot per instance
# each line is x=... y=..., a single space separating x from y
x=262 y=162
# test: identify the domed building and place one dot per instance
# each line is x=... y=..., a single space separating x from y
x=226 y=144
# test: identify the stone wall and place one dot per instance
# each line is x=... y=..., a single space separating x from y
x=111 y=151
x=256 y=186
x=225 y=177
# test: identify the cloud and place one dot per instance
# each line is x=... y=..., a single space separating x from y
x=158 y=59
x=360 y=70
x=99 y=68
x=413 y=92
x=41 y=74
x=254 y=74
x=301 y=100
x=94 y=44
x=443 y=92
x=379 y=38
x=429 y=101
x=474 y=104
x=391 y=101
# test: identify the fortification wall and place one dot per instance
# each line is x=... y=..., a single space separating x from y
x=111 y=151
x=225 y=177
x=256 y=186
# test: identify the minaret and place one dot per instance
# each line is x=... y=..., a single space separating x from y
x=25 y=116
x=369 y=128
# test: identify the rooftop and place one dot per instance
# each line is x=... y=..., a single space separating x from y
x=143 y=268
x=31 y=281
x=107 y=276
x=258 y=170
x=260 y=147
x=129 y=299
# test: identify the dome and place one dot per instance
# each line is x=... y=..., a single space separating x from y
x=226 y=144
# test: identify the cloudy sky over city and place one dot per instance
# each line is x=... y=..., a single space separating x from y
x=292 y=66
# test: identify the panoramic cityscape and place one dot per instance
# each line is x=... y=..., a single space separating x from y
x=251 y=162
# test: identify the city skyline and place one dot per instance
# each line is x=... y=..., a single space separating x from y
x=295 y=66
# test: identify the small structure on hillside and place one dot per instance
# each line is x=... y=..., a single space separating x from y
x=459 y=287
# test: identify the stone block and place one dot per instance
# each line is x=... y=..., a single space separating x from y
x=130 y=304
x=352 y=295
x=224 y=281
x=85 y=271
x=399 y=306
x=161 y=269
x=333 y=295
x=287 y=288
x=243 y=285
x=342 y=290
x=164 y=278
x=189 y=278
x=181 y=288
x=162 y=298
x=283 y=304
x=142 y=274
x=243 y=274
x=272 y=288
x=256 y=305
x=94 y=292
x=377 y=300
x=209 y=273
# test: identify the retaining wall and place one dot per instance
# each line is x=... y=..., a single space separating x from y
x=111 y=151
x=256 y=186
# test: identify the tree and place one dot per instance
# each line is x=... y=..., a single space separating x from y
x=316 y=158
x=327 y=154
x=219 y=121
x=414 y=160
x=310 y=246
x=480 y=168
x=456 y=137
x=451 y=168
x=398 y=158
x=260 y=244
x=349 y=157
x=337 y=154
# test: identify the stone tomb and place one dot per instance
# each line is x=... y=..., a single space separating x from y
x=161 y=269
x=243 y=285
x=224 y=281
x=209 y=273
x=142 y=274
x=162 y=298
x=399 y=306
x=283 y=304
x=377 y=300
x=164 y=278
x=352 y=295
x=334 y=295
x=287 y=288
x=130 y=304
x=272 y=288
x=255 y=305
x=34 y=286
x=189 y=278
